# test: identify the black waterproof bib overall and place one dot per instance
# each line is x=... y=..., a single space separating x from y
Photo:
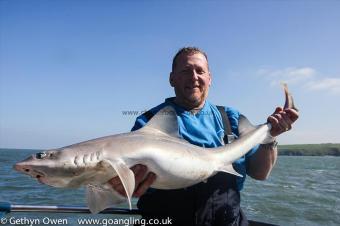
x=214 y=203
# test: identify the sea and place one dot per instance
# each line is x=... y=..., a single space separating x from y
x=301 y=190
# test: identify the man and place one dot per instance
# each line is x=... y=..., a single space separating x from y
x=216 y=201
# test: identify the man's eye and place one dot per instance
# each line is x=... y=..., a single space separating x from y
x=201 y=72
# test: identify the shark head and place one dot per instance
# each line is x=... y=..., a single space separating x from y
x=51 y=167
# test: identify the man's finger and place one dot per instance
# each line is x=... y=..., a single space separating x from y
x=287 y=120
x=283 y=123
x=145 y=185
x=293 y=114
x=276 y=127
x=272 y=120
x=138 y=170
x=278 y=110
x=140 y=174
x=115 y=181
x=120 y=189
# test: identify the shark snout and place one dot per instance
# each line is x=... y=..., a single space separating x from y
x=26 y=169
x=21 y=168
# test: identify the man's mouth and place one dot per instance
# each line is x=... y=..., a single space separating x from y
x=192 y=87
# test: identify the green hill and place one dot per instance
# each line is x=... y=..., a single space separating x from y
x=310 y=149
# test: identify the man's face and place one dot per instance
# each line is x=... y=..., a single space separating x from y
x=191 y=80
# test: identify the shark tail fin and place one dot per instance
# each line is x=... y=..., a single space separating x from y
x=289 y=103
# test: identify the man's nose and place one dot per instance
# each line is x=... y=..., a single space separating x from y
x=194 y=75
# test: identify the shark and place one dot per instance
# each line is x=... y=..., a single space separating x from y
x=176 y=162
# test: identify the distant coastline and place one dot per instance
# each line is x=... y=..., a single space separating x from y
x=310 y=149
x=288 y=150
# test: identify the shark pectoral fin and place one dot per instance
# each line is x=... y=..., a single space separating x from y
x=125 y=174
x=229 y=169
x=101 y=197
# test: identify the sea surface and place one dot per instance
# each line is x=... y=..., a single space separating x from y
x=300 y=191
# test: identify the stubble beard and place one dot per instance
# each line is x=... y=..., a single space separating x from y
x=194 y=101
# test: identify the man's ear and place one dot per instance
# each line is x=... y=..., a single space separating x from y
x=171 y=80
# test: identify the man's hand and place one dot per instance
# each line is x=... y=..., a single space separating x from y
x=282 y=120
x=142 y=182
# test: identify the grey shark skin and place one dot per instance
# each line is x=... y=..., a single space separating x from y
x=176 y=162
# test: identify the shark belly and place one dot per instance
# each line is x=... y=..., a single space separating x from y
x=176 y=166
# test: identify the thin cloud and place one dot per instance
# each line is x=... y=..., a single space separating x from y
x=306 y=77
x=289 y=75
x=328 y=84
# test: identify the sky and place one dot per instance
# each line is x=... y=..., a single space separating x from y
x=70 y=69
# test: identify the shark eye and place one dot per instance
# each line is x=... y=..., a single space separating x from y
x=40 y=155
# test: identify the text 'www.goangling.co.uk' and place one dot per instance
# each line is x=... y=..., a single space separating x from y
x=124 y=221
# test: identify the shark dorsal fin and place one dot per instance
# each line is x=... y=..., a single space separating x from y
x=244 y=126
x=165 y=121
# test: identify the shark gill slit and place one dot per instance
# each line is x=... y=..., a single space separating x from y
x=84 y=159
x=75 y=160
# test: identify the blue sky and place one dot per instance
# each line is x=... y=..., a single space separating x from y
x=69 y=68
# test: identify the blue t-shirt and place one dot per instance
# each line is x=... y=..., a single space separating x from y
x=204 y=129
